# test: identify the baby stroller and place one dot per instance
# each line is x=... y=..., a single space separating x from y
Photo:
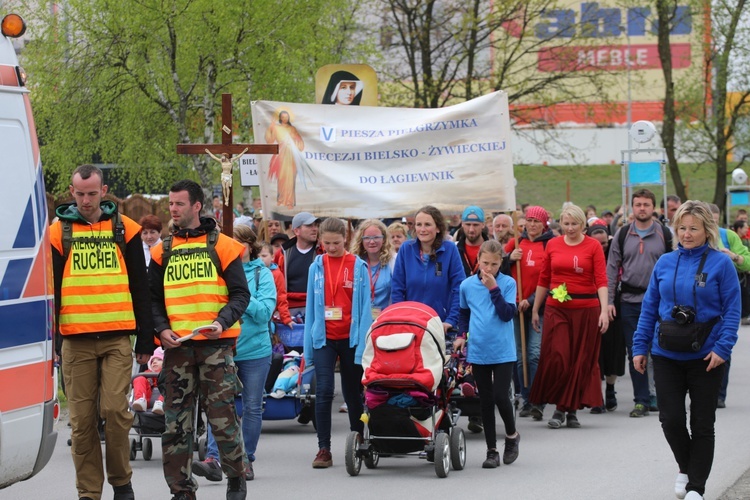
x=146 y=424
x=406 y=400
x=299 y=395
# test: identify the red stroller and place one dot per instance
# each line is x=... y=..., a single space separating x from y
x=406 y=393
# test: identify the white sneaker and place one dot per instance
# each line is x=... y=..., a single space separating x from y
x=693 y=495
x=679 y=485
x=140 y=404
x=158 y=408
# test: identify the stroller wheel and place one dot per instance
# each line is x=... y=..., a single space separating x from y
x=371 y=459
x=458 y=448
x=351 y=458
x=148 y=449
x=133 y=448
x=442 y=455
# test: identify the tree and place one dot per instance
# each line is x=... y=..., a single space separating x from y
x=123 y=82
x=438 y=52
x=704 y=123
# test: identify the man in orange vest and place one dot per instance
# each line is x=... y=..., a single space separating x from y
x=198 y=285
x=101 y=298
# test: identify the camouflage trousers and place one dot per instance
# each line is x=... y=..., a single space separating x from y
x=208 y=372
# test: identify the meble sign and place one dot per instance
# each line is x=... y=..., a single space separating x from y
x=598 y=22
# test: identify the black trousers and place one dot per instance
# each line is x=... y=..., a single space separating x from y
x=694 y=449
x=493 y=384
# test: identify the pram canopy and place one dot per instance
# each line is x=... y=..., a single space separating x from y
x=405 y=345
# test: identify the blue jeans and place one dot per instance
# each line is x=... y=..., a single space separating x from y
x=533 y=348
x=252 y=373
x=629 y=314
x=351 y=387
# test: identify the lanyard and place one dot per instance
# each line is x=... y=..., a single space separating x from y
x=373 y=280
x=334 y=284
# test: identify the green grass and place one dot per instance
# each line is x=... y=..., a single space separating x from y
x=600 y=186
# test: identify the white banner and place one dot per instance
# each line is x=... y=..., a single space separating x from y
x=362 y=161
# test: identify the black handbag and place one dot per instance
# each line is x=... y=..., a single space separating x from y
x=686 y=337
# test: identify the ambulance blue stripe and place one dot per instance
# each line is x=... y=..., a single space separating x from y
x=25 y=238
x=26 y=322
x=41 y=203
x=14 y=280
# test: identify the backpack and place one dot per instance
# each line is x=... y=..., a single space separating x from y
x=211 y=238
x=118 y=235
x=625 y=229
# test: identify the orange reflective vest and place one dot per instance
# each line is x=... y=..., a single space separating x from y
x=194 y=292
x=95 y=295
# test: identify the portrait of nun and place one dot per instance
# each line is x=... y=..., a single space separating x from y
x=343 y=88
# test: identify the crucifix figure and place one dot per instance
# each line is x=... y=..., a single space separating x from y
x=222 y=153
x=226 y=172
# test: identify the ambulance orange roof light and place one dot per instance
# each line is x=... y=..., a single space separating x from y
x=13 y=26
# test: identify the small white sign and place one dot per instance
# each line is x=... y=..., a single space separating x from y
x=249 y=171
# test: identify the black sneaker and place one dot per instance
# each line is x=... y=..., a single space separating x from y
x=721 y=403
x=124 y=492
x=492 y=461
x=510 y=454
x=209 y=468
x=598 y=410
x=236 y=488
x=640 y=410
x=610 y=401
x=475 y=424
x=537 y=412
x=573 y=422
x=184 y=495
x=525 y=410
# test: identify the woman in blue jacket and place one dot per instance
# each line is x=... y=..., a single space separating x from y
x=337 y=316
x=253 y=358
x=689 y=320
x=429 y=269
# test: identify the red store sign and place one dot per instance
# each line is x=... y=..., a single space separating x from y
x=610 y=57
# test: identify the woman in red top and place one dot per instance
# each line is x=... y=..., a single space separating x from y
x=575 y=316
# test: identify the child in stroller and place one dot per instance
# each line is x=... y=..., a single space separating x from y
x=143 y=386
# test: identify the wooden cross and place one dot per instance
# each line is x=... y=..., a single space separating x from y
x=227 y=147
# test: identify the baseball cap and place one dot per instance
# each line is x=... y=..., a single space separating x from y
x=258 y=214
x=607 y=212
x=472 y=214
x=303 y=219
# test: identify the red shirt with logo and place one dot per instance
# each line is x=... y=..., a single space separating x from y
x=339 y=283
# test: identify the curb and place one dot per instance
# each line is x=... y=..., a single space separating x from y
x=739 y=490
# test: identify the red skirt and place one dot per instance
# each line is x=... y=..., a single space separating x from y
x=568 y=373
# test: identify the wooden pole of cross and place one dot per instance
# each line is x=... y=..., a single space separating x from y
x=227 y=148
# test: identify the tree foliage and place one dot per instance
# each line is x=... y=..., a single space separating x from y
x=450 y=50
x=702 y=121
x=123 y=82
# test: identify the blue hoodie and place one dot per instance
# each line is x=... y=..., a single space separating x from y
x=675 y=272
x=315 y=323
x=420 y=281
x=254 y=341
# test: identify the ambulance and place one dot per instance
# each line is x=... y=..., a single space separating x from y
x=28 y=382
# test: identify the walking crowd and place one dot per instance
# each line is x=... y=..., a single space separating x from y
x=548 y=309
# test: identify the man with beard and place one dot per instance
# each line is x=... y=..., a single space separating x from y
x=503 y=228
x=633 y=253
x=470 y=237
